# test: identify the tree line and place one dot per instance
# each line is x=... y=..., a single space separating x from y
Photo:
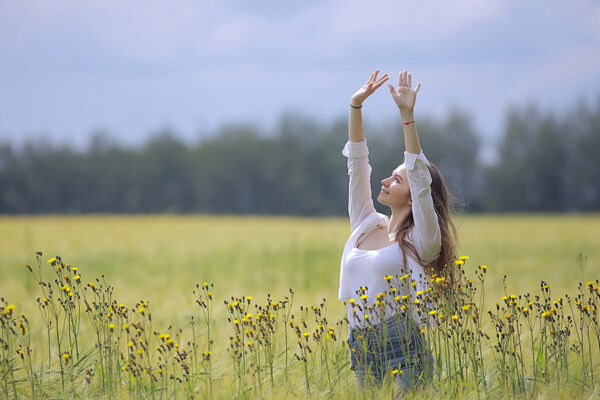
x=546 y=162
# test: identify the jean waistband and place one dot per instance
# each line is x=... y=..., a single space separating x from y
x=404 y=320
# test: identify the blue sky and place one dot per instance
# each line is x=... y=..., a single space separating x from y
x=68 y=67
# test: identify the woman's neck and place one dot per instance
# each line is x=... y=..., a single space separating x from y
x=397 y=219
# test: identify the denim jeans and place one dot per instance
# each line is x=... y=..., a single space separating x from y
x=394 y=344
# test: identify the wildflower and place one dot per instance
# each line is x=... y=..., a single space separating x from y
x=363 y=297
x=306 y=334
x=141 y=309
x=458 y=263
x=126 y=327
x=248 y=298
x=403 y=277
x=455 y=317
x=433 y=312
x=417 y=301
x=466 y=307
x=74 y=269
x=249 y=344
x=397 y=372
x=66 y=357
x=140 y=351
x=484 y=267
x=464 y=258
x=380 y=295
x=367 y=316
x=388 y=278
x=8 y=309
x=76 y=278
x=420 y=293
x=275 y=304
x=351 y=301
x=91 y=284
x=405 y=297
x=440 y=280
x=111 y=327
x=130 y=344
x=52 y=260
x=397 y=298
x=414 y=284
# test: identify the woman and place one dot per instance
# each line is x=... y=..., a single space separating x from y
x=387 y=259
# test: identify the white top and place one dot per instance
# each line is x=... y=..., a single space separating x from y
x=369 y=267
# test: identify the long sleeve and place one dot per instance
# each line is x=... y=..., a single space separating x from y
x=360 y=203
x=426 y=234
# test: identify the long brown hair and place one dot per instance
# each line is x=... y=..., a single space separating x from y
x=442 y=201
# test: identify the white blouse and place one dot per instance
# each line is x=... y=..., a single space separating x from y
x=369 y=267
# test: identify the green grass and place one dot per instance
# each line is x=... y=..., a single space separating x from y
x=161 y=258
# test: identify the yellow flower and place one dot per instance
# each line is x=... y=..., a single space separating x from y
x=66 y=356
x=484 y=267
x=388 y=278
x=74 y=269
x=397 y=298
x=363 y=297
x=351 y=301
x=419 y=293
x=91 y=284
x=8 y=309
x=590 y=284
x=249 y=344
x=403 y=277
x=248 y=298
x=367 y=316
x=458 y=263
x=77 y=278
x=455 y=317
x=141 y=309
x=464 y=258
x=417 y=301
x=52 y=260
x=433 y=312
x=466 y=307
x=111 y=326
x=140 y=351
x=414 y=284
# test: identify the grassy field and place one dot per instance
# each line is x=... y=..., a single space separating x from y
x=159 y=259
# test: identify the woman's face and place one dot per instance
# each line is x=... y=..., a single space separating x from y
x=395 y=191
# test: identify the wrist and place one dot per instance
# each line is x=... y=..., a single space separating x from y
x=355 y=104
x=407 y=115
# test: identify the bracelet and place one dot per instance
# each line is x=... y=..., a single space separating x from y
x=359 y=107
x=408 y=123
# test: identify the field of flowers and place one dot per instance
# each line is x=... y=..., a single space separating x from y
x=221 y=307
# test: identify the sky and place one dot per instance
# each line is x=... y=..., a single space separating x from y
x=132 y=67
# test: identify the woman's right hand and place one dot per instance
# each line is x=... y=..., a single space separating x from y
x=368 y=88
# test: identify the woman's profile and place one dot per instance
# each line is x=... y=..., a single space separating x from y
x=384 y=253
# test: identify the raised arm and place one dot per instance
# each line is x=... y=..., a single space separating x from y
x=360 y=203
x=355 y=125
x=426 y=234
x=405 y=98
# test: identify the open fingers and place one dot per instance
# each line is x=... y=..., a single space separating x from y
x=381 y=81
x=418 y=87
x=409 y=80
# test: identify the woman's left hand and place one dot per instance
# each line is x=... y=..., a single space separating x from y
x=405 y=96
